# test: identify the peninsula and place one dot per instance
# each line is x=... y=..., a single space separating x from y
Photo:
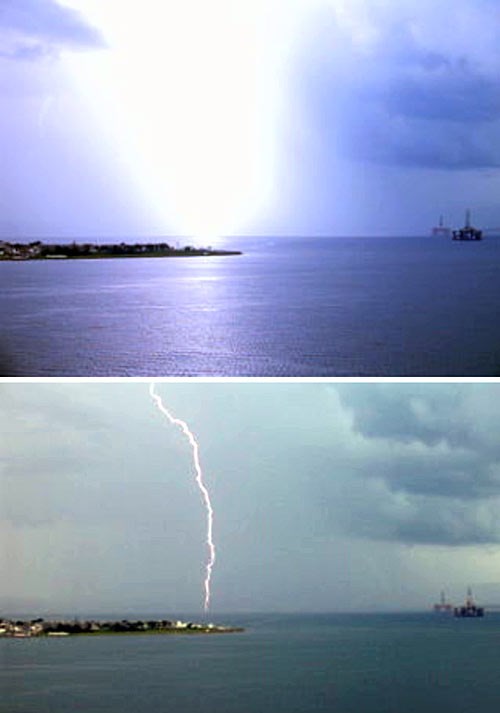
x=37 y=250
x=19 y=629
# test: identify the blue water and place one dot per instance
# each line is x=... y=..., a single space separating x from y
x=281 y=664
x=287 y=307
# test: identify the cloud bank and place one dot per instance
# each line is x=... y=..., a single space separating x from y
x=410 y=84
x=372 y=491
x=31 y=29
x=430 y=472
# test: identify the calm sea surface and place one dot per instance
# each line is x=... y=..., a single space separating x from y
x=287 y=307
x=287 y=664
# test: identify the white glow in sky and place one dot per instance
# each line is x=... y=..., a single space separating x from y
x=271 y=117
x=190 y=92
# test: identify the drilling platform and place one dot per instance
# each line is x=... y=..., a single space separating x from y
x=469 y=609
x=443 y=605
x=441 y=229
x=467 y=233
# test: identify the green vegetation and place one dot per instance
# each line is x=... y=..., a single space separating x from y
x=92 y=627
x=37 y=250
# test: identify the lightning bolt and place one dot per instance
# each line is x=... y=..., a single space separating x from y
x=201 y=485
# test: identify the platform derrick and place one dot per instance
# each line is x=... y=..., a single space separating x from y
x=468 y=232
x=469 y=609
x=443 y=605
x=441 y=229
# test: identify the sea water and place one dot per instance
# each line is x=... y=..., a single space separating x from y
x=286 y=307
x=406 y=663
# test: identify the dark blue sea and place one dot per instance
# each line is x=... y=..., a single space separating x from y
x=281 y=664
x=287 y=307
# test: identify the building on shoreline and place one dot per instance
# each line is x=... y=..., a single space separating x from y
x=40 y=627
x=37 y=250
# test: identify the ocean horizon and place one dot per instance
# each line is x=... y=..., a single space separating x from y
x=287 y=307
x=365 y=663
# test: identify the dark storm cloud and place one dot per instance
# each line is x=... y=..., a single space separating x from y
x=457 y=96
x=404 y=463
x=399 y=510
x=449 y=122
x=31 y=29
x=311 y=483
x=465 y=476
x=407 y=412
x=381 y=138
x=425 y=521
x=402 y=100
x=453 y=526
x=424 y=465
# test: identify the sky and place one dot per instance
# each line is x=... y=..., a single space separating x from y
x=327 y=496
x=236 y=117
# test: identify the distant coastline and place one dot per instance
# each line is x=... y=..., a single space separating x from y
x=20 y=629
x=37 y=250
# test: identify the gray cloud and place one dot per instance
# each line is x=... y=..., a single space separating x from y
x=99 y=485
x=403 y=462
x=403 y=412
x=31 y=29
x=426 y=466
x=416 y=519
x=411 y=127
x=30 y=52
x=430 y=413
x=400 y=97
x=456 y=96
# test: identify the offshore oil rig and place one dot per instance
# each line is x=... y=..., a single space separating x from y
x=469 y=609
x=443 y=605
x=441 y=229
x=467 y=233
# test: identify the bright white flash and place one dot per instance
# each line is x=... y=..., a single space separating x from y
x=189 y=94
x=201 y=485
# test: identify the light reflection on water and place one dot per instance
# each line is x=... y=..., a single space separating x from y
x=287 y=307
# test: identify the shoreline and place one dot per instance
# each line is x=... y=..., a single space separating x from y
x=39 y=628
x=165 y=632
x=21 y=252
x=169 y=254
